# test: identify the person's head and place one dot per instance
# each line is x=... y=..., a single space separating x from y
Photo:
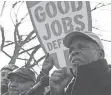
x=4 y=80
x=21 y=80
x=84 y=47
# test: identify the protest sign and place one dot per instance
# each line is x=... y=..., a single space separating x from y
x=52 y=20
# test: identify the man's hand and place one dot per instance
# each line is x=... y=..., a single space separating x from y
x=47 y=65
x=59 y=80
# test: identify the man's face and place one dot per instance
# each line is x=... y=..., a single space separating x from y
x=18 y=85
x=4 y=80
x=83 y=51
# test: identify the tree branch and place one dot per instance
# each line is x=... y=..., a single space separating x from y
x=27 y=50
x=15 y=31
x=22 y=59
x=36 y=62
x=3 y=8
x=32 y=38
x=27 y=38
x=3 y=37
x=23 y=18
x=6 y=54
x=19 y=8
x=11 y=16
x=32 y=54
x=106 y=40
x=9 y=44
x=99 y=6
x=29 y=54
x=14 y=42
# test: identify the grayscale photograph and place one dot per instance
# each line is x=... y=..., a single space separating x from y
x=55 y=47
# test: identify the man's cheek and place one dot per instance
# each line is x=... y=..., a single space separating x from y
x=26 y=86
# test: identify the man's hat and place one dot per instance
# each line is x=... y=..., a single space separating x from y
x=10 y=67
x=23 y=72
x=87 y=34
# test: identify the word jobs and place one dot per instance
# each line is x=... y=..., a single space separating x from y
x=65 y=24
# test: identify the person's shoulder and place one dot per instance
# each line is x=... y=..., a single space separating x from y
x=106 y=78
x=105 y=83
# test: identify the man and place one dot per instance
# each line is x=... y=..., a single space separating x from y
x=21 y=80
x=4 y=80
x=86 y=54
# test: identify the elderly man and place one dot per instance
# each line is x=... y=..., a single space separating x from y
x=4 y=80
x=21 y=80
x=86 y=54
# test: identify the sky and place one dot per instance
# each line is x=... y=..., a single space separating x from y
x=100 y=20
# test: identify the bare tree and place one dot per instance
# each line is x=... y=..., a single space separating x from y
x=19 y=42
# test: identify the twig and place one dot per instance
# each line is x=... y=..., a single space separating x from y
x=23 y=18
x=19 y=7
x=6 y=54
x=11 y=17
x=11 y=56
x=27 y=38
x=32 y=38
x=32 y=54
x=3 y=37
x=106 y=40
x=29 y=55
x=27 y=50
x=36 y=63
x=17 y=41
x=9 y=44
x=22 y=59
x=3 y=8
x=97 y=6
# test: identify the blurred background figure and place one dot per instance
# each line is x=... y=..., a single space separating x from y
x=47 y=66
x=42 y=84
x=21 y=80
x=4 y=80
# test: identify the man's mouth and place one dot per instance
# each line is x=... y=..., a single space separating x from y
x=76 y=62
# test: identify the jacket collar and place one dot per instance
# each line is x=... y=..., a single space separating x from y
x=94 y=69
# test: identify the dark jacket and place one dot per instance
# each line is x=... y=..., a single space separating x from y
x=92 y=79
x=5 y=93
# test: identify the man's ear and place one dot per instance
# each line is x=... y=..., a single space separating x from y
x=101 y=53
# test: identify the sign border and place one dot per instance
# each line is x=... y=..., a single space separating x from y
x=35 y=2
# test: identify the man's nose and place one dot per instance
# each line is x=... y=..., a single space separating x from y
x=73 y=53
